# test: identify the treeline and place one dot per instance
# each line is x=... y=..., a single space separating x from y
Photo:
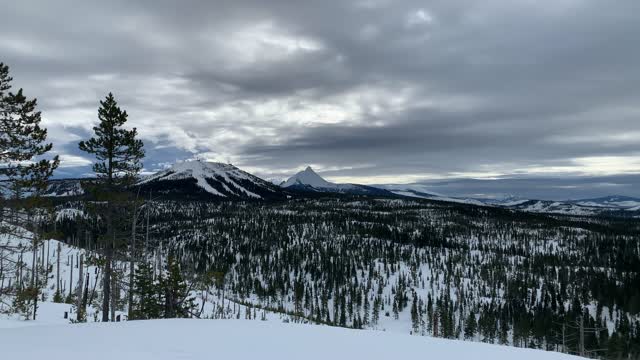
x=563 y=284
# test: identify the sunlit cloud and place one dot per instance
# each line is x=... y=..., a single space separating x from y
x=372 y=91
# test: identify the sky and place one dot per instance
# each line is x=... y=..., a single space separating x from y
x=365 y=91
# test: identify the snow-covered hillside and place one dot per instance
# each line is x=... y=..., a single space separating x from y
x=238 y=339
x=557 y=207
x=209 y=179
x=611 y=202
x=421 y=192
x=59 y=271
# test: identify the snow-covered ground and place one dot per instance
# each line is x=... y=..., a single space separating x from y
x=49 y=313
x=238 y=339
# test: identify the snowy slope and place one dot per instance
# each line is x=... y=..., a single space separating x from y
x=557 y=207
x=412 y=193
x=422 y=192
x=588 y=207
x=415 y=188
x=612 y=202
x=61 y=261
x=237 y=339
x=209 y=179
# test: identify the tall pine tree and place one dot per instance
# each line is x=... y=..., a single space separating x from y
x=22 y=148
x=22 y=141
x=118 y=153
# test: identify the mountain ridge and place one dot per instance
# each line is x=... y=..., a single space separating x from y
x=201 y=179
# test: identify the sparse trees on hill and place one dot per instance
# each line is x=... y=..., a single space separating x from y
x=26 y=173
x=168 y=296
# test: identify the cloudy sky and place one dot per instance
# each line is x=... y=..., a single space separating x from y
x=368 y=91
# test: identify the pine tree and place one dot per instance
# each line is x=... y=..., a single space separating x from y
x=22 y=146
x=22 y=140
x=415 y=314
x=146 y=304
x=178 y=302
x=118 y=153
x=470 y=326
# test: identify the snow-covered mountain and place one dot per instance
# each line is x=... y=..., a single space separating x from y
x=308 y=177
x=310 y=182
x=206 y=180
x=65 y=187
x=56 y=188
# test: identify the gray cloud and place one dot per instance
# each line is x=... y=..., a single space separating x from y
x=364 y=90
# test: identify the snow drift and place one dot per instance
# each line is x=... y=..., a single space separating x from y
x=238 y=339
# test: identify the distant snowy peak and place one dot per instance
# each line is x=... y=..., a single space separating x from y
x=220 y=180
x=308 y=177
x=308 y=181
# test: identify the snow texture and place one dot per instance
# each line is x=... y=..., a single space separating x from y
x=238 y=339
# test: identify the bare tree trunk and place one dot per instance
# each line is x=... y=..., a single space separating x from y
x=114 y=295
x=82 y=312
x=20 y=269
x=132 y=252
x=79 y=289
x=47 y=268
x=34 y=266
x=582 y=336
x=58 y=270
x=93 y=290
x=71 y=278
x=42 y=259
x=1 y=269
x=108 y=267
x=146 y=238
x=106 y=285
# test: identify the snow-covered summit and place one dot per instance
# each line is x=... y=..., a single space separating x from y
x=211 y=179
x=308 y=177
x=309 y=181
